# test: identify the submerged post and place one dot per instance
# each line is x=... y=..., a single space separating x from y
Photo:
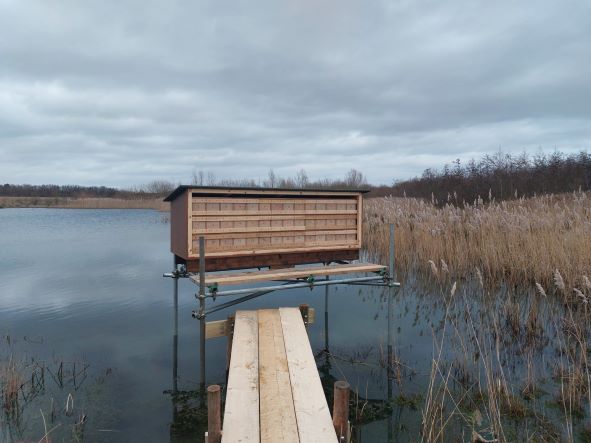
x=340 y=410
x=214 y=415
x=202 y=311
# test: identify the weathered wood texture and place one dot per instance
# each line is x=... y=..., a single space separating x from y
x=179 y=238
x=238 y=278
x=263 y=223
x=241 y=416
x=291 y=404
x=278 y=419
x=214 y=416
x=312 y=413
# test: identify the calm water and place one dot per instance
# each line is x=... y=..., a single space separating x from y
x=82 y=296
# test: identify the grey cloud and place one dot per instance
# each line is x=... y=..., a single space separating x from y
x=119 y=94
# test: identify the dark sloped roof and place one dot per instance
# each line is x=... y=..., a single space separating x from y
x=181 y=189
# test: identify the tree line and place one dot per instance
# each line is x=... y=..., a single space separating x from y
x=160 y=188
x=498 y=176
x=502 y=177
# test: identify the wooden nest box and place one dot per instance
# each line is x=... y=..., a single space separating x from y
x=260 y=227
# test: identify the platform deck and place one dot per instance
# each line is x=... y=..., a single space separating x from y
x=274 y=391
x=238 y=278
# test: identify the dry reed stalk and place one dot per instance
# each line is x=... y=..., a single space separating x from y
x=11 y=381
x=517 y=242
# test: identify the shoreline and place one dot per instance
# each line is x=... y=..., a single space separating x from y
x=83 y=203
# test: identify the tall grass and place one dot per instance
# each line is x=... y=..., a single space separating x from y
x=514 y=243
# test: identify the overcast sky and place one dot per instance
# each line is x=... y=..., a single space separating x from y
x=120 y=93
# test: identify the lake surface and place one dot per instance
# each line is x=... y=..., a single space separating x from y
x=86 y=315
x=87 y=338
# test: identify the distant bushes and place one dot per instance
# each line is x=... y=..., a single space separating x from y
x=500 y=176
x=8 y=190
x=153 y=189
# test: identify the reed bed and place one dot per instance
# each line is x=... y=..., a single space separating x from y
x=517 y=242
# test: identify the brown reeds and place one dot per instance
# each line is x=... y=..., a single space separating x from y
x=543 y=239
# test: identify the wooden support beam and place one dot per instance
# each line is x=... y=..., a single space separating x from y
x=340 y=410
x=214 y=414
x=224 y=328
x=237 y=278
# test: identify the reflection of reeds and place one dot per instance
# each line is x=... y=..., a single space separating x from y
x=11 y=381
x=513 y=242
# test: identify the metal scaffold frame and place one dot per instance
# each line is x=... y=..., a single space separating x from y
x=386 y=280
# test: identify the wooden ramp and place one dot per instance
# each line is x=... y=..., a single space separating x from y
x=238 y=278
x=274 y=391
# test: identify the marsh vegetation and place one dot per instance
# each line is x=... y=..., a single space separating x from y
x=505 y=289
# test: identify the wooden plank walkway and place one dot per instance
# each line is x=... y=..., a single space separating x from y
x=274 y=391
x=237 y=278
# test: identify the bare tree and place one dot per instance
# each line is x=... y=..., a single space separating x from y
x=272 y=180
x=211 y=180
x=355 y=179
x=301 y=179
x=198 y=178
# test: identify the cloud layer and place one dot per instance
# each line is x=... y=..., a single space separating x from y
x=120 y=94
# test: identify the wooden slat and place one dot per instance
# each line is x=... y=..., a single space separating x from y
x=270 y=200
x=312 y=413
x=287 y=274
x=268 y=212
x=278 y=420
x=241 y=416
x=215 y=218
x=246 y=230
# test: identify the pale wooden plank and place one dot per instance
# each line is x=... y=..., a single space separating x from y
x=245 y=230
x=312 y=413
x=278 y=212
x=278 y=420
x=214 y=329
x=241 y=416
x=217 y=217
x=268 y=200
x=287 y=273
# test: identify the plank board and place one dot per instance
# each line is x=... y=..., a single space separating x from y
x=311 y=410
x=241 y=417
x=286 y=274
x=277 y=414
